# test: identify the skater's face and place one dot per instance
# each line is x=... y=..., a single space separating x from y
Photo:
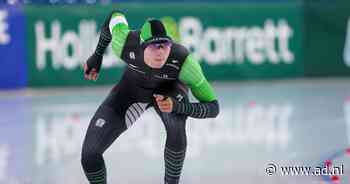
x=156 y=54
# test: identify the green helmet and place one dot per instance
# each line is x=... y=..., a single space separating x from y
x=154 y=31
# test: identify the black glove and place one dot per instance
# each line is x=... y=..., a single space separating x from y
x=94 y=61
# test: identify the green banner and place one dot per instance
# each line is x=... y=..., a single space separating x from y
x=327 y=43
x=232 y=41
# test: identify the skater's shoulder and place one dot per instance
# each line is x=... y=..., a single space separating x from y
x=179 y=50
x=133 y=39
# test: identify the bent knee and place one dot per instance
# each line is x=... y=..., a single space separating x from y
x=89 y=157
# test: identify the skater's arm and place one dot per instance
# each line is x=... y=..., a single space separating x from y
x=191 y=74
x=115 y=28
x=119 y=29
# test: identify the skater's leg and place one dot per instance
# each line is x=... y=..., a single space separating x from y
x=176 y=141
x=175 y=147
x=104 y=128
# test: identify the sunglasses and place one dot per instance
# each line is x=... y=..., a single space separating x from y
x=155 y=46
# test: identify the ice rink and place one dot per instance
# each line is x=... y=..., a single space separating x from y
x=284 y=122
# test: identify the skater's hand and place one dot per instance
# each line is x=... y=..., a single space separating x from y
x=90 y=74
x=92 y=67
x=165 y=104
